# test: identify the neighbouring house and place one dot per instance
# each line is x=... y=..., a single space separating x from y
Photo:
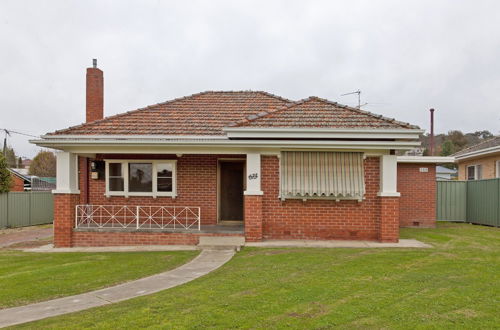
x=481 y=161
x=446 y=174
x=20 y=181
x=238 y=163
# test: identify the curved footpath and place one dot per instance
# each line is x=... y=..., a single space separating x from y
x=206 y=262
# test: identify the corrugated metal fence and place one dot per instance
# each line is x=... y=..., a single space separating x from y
x=469 y=201
x=19 y=209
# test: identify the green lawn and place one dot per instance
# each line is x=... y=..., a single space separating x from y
x=30 y=277
x=454 y=285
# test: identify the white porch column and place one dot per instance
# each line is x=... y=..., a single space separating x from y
x=67 y=173
x=253 y=175
x=389 y=176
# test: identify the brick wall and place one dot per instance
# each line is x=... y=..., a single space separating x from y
x=488 y=163
x=389 y=220
x=17 y=183
x=418 y=195
x=320 y=219
x=95 y=238
x=253 y=218
x=64 y=215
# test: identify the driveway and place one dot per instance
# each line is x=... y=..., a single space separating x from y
x=24 y=235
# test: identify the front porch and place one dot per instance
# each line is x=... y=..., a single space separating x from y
x=156 y=219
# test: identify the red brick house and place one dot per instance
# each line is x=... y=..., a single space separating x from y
x=244 y=163
x=19 y=181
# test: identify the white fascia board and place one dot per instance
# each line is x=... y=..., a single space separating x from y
x=321 y=133
x=138 y=137
x=425 y=159
x=94 y=144
x=478 y=153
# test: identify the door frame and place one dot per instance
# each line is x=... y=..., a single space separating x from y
x=230 y=160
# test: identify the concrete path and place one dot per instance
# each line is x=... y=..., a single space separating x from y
x=204 y=263
x=403 y=243
x=26 y=234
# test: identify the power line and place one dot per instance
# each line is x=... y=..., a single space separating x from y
x=8 y=131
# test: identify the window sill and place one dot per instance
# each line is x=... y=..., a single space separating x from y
x=139 y=194
x=324 y=198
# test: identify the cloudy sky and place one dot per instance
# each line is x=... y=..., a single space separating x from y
x=404 y=56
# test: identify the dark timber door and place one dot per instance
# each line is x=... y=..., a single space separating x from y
x=231 y=191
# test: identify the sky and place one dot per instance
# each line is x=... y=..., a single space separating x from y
x=404 y=56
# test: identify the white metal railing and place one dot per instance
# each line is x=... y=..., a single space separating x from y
x=139 y=217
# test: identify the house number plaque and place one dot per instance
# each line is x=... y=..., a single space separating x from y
x=253 y=176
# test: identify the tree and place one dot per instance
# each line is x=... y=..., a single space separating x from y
x=5 y=178
x=20 y=163
x=447 y=148
x=458 y=139
x=10 y=157
x=44 y=164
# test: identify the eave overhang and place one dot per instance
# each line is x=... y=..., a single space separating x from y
x=425 y=159
x=478 y=153
x=101 y=142
x=320 y=133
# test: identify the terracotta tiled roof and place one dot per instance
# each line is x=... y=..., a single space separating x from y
x=209 y=112
x=199 y=114
x=321 y=113
x=490 y=143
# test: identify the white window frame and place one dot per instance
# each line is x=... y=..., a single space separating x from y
x=154 y=193
x=476 y=172
x=497 y=163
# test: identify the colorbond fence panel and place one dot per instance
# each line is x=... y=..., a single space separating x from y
x=483 y=200
x=19 y=209
x=469 y=201
x=451 y=201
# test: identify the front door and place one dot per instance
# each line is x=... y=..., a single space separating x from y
x=231 y=190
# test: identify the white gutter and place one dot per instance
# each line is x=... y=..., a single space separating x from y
x=324 y=133
x=425 y=159
x=477 y=153
x=55 y=143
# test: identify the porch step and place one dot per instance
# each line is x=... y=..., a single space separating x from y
x=221 y=242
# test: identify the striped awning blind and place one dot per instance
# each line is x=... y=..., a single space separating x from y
x=335 y=175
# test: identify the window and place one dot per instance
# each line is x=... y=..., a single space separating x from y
x=325 y=175
x=141 y=178
x=115 y=177
x=474 y=172
x=498 y=168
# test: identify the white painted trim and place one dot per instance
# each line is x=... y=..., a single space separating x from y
x=127 y=137
x=97 y=146
x=478 y=153
x=67 y=173
x=253 y=193
x=425 y=159
x=154 y=193
x=253 y=173
x=388 y=194
x=388 y=176
x=324 y=133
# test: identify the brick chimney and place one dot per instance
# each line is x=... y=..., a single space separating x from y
x=95 y=93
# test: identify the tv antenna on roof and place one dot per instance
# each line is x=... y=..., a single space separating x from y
x=359 y=97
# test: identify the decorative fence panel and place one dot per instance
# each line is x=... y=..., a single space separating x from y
x=137 y=217
x=469 y=201
x=20 y=209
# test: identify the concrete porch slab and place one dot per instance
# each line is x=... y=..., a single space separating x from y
x=141 y=248
x=403 y=243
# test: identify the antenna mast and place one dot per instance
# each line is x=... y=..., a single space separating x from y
x=359 y=96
